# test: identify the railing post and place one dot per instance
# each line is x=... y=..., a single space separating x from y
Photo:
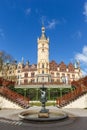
x=37 y=95
x=48 y=93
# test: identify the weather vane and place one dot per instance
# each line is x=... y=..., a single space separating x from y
x=43 y=19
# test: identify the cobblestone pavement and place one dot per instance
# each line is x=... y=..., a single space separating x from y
x=80 y=124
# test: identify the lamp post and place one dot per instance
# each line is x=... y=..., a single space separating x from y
x=49 y=93
x=37 y=94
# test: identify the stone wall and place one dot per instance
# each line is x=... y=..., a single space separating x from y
x=81 y=102
x=5 y=103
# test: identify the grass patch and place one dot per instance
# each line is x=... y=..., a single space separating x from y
x=39 y=103
x=35 y=104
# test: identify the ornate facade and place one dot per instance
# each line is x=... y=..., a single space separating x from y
x=44 y=70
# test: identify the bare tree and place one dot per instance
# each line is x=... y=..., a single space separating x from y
x=6 y=57
x=5 y=61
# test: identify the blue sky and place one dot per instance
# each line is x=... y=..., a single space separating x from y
x=66 y=27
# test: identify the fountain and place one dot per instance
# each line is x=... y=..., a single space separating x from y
x=42 y=114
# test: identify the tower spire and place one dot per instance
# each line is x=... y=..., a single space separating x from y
x=43 y=35
x=43 y=28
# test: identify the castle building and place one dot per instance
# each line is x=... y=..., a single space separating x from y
x=45 y=70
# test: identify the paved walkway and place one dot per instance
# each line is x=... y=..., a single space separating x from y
x=13 y=113
x=11 y=119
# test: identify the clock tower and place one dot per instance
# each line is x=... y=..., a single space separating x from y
x=43 y=57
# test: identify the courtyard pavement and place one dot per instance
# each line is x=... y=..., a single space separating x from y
x=9 y=120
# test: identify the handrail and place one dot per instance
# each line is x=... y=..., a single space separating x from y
x=4 y=82
x=15 y=97
x=80 y=89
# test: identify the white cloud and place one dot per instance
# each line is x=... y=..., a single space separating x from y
x=28 y=11
x=52 y=24
x=84 y=72
x=82 y=57
x=85 y=11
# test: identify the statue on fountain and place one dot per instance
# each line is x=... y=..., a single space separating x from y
x=43 y=112
x=43 y=96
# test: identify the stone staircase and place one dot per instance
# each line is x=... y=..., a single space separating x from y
x=80 y=91
x=12 y=96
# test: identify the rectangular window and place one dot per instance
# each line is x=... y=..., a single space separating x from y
x=25 y=81
x=26 y=75
x=18 y=71
x=32 y=74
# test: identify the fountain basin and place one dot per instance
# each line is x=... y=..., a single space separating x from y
x=32 y=115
